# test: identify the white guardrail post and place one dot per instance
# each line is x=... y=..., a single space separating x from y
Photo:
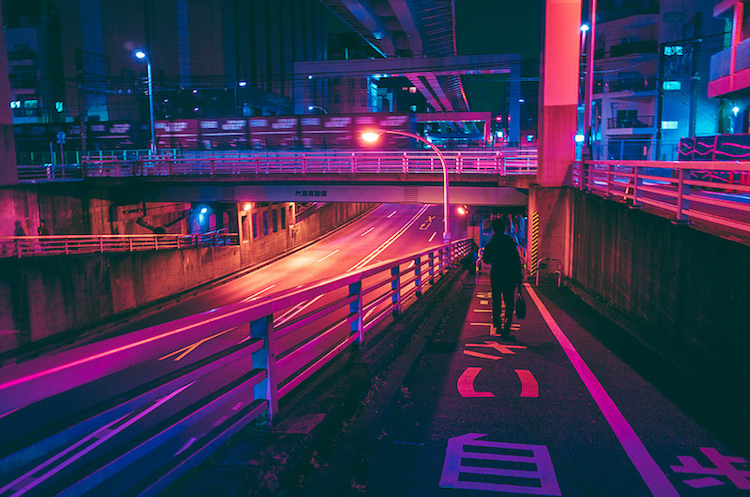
x=265 y=358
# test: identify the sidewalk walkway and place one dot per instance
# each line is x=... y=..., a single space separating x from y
x=529 y=416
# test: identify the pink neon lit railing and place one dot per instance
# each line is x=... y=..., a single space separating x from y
x=32 y=246
x=714 y=192
x=171 y=163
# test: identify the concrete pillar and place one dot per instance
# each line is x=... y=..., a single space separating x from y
x=8 y=168
x=558 y=91
x=550 y=227
x=550 y=217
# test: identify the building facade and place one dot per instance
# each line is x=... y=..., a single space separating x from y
x=650 y=77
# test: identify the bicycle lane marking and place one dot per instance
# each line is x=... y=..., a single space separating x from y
x=652 y=475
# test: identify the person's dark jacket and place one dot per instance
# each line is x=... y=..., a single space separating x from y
x=502 y=254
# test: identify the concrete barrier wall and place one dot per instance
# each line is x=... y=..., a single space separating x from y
x=45 y=296
x=683 y=292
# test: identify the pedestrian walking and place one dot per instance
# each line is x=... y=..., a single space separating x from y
x=42 y=230
x=505 y=274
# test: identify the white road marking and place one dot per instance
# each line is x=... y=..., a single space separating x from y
x=251 y=297
x=329 y=255
x=465 y=384
x=432 y=237
x=366 y=232
x=388 y=242
x=537 y=477
x=391 y=214
x=482 y=356
x=296 y=310
x=652 y=475
x=529 y=385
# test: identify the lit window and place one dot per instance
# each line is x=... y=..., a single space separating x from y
x=670 y=124
x=672 y=85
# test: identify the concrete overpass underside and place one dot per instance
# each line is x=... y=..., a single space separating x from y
x=478 y=191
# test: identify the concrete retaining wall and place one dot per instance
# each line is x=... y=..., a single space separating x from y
x=45 y=296
x=681 y=291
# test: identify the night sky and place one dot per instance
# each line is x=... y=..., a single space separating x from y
x=500 y=27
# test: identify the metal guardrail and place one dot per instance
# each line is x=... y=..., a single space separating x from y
x=33 y=246
x=173 y=419
x=676 y=187
x=172 y=163
x=549 y=265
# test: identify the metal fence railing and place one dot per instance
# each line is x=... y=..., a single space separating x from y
x=717 y=193
x=184 y=403
x=32 y=246
x=173 y=163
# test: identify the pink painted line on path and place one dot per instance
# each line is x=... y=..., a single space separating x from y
x=529 y=385
x=481 y=356
x=465 y=384
x=651 y=473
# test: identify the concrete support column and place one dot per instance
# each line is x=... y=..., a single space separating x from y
x=550 y=227
x=8 y=168
x=559 y=91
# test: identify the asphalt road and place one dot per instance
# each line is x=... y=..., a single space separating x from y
x=390 y=231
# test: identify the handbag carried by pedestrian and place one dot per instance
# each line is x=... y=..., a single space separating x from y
x=520 y=305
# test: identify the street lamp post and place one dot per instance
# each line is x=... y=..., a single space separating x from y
x=140 y=54
x=374 y=135
x=313 y=107
x=240 y=84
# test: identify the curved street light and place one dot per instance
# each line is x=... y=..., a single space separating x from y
x=373 y=136
x=141 y=55
x=313 y=107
